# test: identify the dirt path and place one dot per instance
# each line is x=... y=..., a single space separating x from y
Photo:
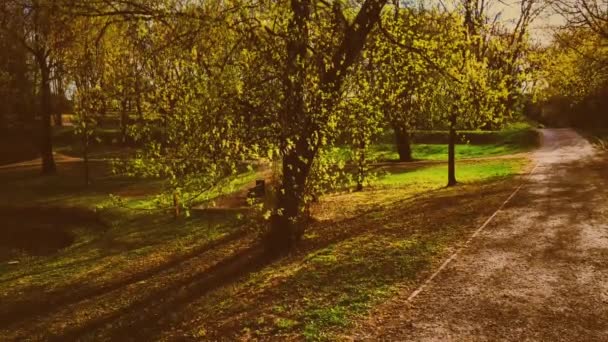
x=538 y=272
x=59 y=159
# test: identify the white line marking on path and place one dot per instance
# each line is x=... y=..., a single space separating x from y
x=453 y=256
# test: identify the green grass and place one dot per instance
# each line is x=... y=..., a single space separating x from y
x=67 y=188
x=465 y=172
x=432 y=145
x=597 y=136
x=440 y=152
x=363 y=248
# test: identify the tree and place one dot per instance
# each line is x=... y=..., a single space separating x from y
x=16 y=86
x=312 y=54
x=404 y=53
x=362 y=117
x=591 y=14
x=189 y=125
x=85 y=64
x=42 y=28
x=572 y=81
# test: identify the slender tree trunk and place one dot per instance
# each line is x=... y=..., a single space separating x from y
x=3 y=124
x=85 y=158
x=361 y=165
x=124 y=121
x=56 y=105
x=46 y=141
x=175 y=205
x=58 y=119
x=452 y=152
x=138 y=105
x=403 y=143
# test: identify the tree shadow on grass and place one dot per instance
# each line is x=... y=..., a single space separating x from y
x=137 y=319
x=360 y=237
x=350 y=265
x=23 y=310
x=140 y=317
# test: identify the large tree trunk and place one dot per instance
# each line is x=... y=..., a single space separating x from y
x=288 y=223
x=46 y=111
x=403 y=143
x=452 y=152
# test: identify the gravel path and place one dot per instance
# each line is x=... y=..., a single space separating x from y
x=538 y=272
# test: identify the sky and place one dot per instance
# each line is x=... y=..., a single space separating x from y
x=541 y=28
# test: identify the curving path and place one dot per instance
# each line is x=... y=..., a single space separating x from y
x=539 y=270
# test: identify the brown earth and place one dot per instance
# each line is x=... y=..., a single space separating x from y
x=538 y=272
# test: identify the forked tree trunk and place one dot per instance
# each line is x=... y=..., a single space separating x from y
x=46 y=136
x=452 y=152
x=403 y=143
x=288 y=223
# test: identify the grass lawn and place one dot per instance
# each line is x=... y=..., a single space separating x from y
x=149 y=277
x=431 y=145
x=428 y=145
x=440 y=151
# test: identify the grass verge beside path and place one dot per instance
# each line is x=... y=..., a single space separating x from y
x=597 y=136
x=150 y=278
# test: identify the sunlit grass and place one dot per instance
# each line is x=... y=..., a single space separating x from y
x=350 y=263
x=432 y=145
x=362 y=249
x=440 y=151
x=436 y=176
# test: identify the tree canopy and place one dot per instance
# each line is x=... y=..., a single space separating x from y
x=205 y=88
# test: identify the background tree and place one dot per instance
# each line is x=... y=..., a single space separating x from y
x=404 y=53
x=86 y=66
x=591 y=14
x=42 y=28
x=16 y=85
x=573 y=79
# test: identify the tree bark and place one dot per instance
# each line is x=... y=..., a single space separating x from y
x=288 y=223
x=85 y=158
x=452 y=152
x=361 y=165
x=403 y=142
x=3 y=121
x=57 y=102
x=46 y=111
x=124 y=121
